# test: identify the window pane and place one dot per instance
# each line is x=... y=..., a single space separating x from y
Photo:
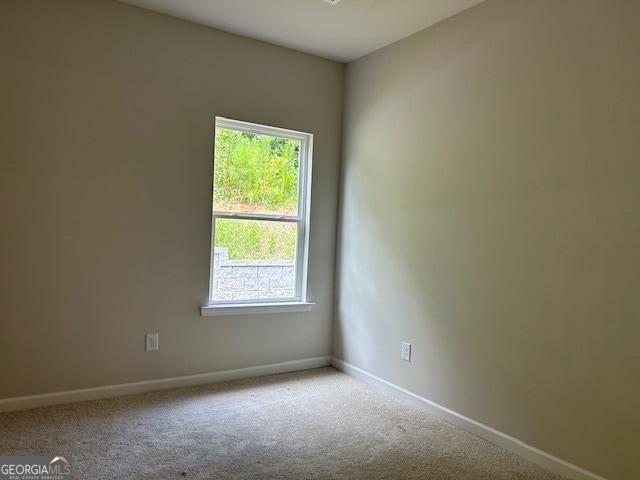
x=255 y=173
x=254 y=259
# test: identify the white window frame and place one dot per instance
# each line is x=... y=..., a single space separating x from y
x=299 y=301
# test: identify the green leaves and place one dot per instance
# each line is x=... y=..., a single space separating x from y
x=256 y=240
x=255 y=174
x=256 y=171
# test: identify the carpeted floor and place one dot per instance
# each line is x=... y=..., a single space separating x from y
x=315 y=424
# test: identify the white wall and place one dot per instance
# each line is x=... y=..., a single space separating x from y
x=491 y=216
x=106 y=135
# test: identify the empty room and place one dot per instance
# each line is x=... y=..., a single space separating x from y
x=320 y=239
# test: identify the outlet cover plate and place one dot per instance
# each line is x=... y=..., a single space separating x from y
x=406 y=352
x=151 y=342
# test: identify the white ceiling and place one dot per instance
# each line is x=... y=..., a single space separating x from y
x=343 y=31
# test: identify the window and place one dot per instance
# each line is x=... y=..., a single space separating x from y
x=261 y=196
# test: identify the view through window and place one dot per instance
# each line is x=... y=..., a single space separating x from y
x=261 y=184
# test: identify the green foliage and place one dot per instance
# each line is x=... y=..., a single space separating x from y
x=257 y=174
x=253 y=240
x=256 y=170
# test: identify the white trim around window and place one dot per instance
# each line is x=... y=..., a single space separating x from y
x=267 y=301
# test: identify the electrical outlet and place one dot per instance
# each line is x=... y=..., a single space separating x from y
x=151 y=340
x=406 y=351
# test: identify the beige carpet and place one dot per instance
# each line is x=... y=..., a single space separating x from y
x=315 y=424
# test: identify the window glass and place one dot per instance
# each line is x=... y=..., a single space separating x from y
x=261 y=181
x=255 y=173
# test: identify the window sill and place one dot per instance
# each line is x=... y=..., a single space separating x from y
x=255 y=308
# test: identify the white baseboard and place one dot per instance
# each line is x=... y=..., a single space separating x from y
x=500 y=439
x=57 y=398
